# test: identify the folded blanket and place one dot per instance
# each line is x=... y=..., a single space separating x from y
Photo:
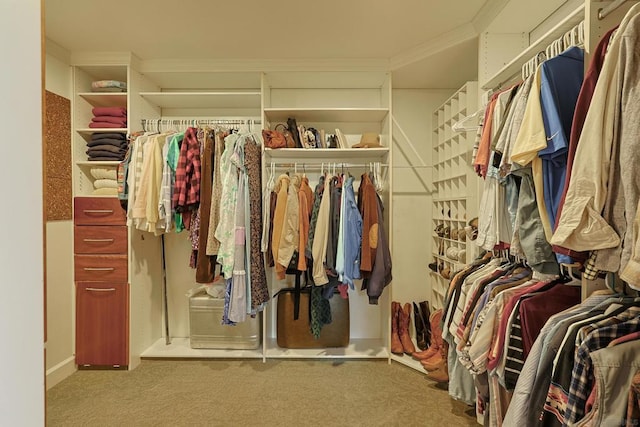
x=105 y=183
x=110 y=111
x=108 y=86
x=104 y=159
x=110 y=119
x=101 y=125
x=104 y=173
x=111 y=135
x=106 y=155
x=108 y=141
x=109 y=148
x=105 y=192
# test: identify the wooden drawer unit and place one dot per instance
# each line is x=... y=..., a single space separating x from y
x=102 y=324
x=90 y=239
x=98 y=211
x=101 y=268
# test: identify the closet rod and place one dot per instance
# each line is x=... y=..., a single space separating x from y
x=200 y=121
x=315 y=166
x=602 y=13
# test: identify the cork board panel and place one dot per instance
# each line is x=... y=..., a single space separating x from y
x=57 y=144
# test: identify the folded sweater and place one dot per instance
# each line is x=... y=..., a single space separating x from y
x=101 y=125
x=109 y=111
x=110 y=119
x=110 y=135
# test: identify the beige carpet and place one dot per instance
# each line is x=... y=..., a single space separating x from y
x=252 y=393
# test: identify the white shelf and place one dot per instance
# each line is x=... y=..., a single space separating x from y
x=449 y=240
x=445 y=259
x=331 y=115
x=105 y=99
x=332 y=154
x=357 y=349
x=181 y=348
x=409 y=361
x=448 y=219
x=514 y=67
x=98 y=163
x=451 y=199
x=88 y=131
x=214 y=99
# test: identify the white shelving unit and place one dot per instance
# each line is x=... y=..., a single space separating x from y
x=83 y=102
x=456 y=186
x=354 y=103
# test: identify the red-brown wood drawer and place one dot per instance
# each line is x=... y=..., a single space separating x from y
x=89 y=239
x=102 y=323
x=101 y=268
x=98 y=211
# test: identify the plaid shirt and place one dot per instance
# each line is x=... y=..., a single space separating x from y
x=582 y=376
x=186 y=193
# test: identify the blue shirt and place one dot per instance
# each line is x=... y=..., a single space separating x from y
x=562 y=78
x=352 y=234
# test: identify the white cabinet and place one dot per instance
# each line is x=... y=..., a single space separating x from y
x=455 y=201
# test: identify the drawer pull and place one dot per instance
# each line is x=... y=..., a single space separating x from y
x=98 y=240
x=105 y=211
x=99 y=268
x=100 y=289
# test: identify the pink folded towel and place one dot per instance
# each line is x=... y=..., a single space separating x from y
x=110 y=111
x=100 y=125
x=110 y=119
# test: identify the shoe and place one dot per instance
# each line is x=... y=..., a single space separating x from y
x=426 y=354
x=403 y=329
x=421 y=328
x=434 y=266
x=396 y=344
x=433 y=363
x=440 y=375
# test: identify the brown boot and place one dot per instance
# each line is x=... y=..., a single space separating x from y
x=396 y=345
x=433 y=363
x=403 y=329
x=440 y=375
x=426 y=354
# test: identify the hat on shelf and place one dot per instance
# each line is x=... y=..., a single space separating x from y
x=368 y=140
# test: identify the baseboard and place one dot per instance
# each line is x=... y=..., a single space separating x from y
x=60 y=371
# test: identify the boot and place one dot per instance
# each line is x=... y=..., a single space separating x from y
x=440 y=371
x=436 y=337
x=396 y=345
x=425 y=314
x=403 y=329
x=421 y=328
x=433 y=363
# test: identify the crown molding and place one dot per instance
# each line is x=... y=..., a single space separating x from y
x=487 y=14
x=261 y=65
x=438 y=44
x=54 y=49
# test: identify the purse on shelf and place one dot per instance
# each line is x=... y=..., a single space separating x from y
x=292 y=125
x=288 y=136
x=273 y=139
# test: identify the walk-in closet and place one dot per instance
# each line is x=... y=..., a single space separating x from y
x=327 y=204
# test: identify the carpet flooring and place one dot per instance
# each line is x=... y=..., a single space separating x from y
x=252 y=393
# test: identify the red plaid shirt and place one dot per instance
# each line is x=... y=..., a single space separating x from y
x=186 y=192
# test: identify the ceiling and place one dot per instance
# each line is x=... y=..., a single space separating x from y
x=427 y=43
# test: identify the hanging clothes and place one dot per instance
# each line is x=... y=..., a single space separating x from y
x=205 y=264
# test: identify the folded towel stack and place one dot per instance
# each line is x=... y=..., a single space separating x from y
x=109 y=117
x=108 y=86
x=107 y=147
x=105 y=182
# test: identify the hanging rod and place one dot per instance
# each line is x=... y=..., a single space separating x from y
x=602 y=13
x=324 y=165
x=230 y=121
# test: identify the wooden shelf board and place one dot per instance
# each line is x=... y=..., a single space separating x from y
x=105 y=99
x=88 y=131
x=357 y=349
x=98 y=163
x=213 y=99
x=330 y=115
x=181 y=348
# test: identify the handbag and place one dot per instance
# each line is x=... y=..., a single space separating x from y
x=288 y=137
x=293 y=128
x=296 y=333
x=273 y=139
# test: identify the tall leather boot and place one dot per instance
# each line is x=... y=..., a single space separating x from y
x=421 y=328
x=396 y=345
x=425 y=314
x=403 y=329
x=436 y=338
x=441 y=373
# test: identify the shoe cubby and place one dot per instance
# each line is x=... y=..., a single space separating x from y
x=455 y=191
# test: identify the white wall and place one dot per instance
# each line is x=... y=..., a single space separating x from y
x=412 y=108
x=60 y=362
x=21 y=267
